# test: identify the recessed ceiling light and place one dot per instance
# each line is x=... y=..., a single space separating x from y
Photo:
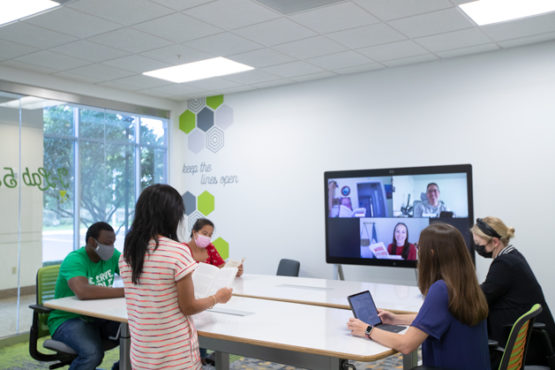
x=492 y=11
x=13 y=10
x=200 y=70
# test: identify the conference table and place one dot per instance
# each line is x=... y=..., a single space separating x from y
x=307 y=330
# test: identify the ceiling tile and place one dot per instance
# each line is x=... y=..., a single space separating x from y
x=275 y=32
x=454 y=40
x=521 y=28
x=374 y=34
x=468 y=50
x=314 y=76
x=293 y=69
x=262 y=58
x=95 y=73
x=52 y=61
x=10 y=49
x=311 y=47
x=527 y=40
x=393 y=9
x=181 y=4
x=136 y=82
x=27 y=67
x=136 y=63
x=90 y=51
x=231 y=14
x=335 y=18
x=402 y=49
x=339 y=60
x=433 y=23
x=28 y=34
x=130 y=40
x=272 y=84
x=252 y=77
x=177 y=28
x=215 y=83
x=177 y=91
x=361 y=68
x=410 y=60
x=176 y=54
x=73 y=23
x=223 y=44
x=118 y=10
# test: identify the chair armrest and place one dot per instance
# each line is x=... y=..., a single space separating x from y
x=539 y=325
x=40 y=308
x=492 y=344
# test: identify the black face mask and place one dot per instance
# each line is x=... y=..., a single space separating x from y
x=481 y=250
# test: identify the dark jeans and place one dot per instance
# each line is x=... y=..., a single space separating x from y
x=86 y=338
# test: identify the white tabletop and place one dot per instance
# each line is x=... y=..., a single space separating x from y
x=268 y=323
x=330 y=293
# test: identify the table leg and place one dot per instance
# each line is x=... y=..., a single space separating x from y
x=222 y=360
x=124 y=347
x=410 y=360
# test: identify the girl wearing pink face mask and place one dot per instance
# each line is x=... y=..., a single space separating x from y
x=201 y=247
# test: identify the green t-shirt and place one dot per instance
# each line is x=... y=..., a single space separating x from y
x=78 y=263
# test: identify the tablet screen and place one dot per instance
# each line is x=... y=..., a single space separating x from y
x=364 y=308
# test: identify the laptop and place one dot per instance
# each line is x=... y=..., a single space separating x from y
x=365 y=310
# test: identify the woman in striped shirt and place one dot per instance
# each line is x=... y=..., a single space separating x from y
x=156 y=271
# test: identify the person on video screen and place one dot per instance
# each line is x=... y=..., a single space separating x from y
x=400 y=245
x=431 y=206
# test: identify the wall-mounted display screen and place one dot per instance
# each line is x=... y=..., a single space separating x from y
x=375 y=216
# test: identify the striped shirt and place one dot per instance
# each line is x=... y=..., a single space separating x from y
x=161 y=336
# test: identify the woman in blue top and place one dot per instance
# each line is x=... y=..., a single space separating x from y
x=451 y=324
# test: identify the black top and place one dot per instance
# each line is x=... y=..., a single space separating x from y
x=511 y=289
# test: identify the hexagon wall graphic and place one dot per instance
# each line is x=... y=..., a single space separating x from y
x=192 y=218
x=206 y=203
x=196 y=105
x=222 y=247
x=196 y=141
x=187 y=121
x=214 y=101
x=223 y=117
x=205 y=119
x=214 y=139
x=190 y=203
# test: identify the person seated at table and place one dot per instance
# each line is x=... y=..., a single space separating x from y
x=156 y=270
x=400 y=244
x=451 y=324
x=431 y=206
x=201 y=247
x=511 y=287
x=87 y=273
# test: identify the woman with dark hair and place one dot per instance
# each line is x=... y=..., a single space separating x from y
x=451 y=324
x=400 y=244
x=156 y=270
x=201 y=247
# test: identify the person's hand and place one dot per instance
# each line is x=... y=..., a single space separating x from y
x=357 y=327
x=387 y=317
x=239 y=270
x=223 y=295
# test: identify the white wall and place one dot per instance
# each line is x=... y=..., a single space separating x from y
x=494 y=111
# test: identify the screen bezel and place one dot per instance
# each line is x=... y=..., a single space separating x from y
x=425 y=170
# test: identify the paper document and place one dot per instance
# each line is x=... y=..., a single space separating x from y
x=207 y=279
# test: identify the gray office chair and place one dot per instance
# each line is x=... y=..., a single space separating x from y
x=288 y=267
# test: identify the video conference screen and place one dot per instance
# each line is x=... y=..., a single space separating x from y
x=374 y=217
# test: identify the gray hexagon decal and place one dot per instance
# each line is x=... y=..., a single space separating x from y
x=192 y=218
x=223 y=117
x=205 y=119
x=190 y=203
x=215 y=139
x=195 y=105
x=196 y=141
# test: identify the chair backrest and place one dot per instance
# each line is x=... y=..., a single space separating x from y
x=519 y=337
x=46 y=286
x=288 y=267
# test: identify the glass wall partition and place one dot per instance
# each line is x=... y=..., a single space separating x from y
x=65 y=166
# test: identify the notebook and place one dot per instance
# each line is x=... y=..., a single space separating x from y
x=365 y=310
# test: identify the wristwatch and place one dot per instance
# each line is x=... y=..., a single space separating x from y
x=368 y=330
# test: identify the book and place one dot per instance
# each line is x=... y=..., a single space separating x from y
x=234 y=263
x=207 y=279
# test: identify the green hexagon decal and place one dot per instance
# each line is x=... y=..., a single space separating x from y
x=222 y=247
x=205 y=203
x=214 y=101
x=187 y=121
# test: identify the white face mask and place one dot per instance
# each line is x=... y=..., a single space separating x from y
x=202 y=241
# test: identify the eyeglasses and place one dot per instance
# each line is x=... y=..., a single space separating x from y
x=487 y=229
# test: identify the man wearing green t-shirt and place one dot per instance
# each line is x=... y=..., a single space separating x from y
x=87 y=273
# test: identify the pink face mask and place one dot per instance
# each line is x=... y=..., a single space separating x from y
x=202 y=241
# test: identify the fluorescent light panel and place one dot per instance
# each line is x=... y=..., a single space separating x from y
x=200 y=70
x=13 y=10
x=493 y=11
